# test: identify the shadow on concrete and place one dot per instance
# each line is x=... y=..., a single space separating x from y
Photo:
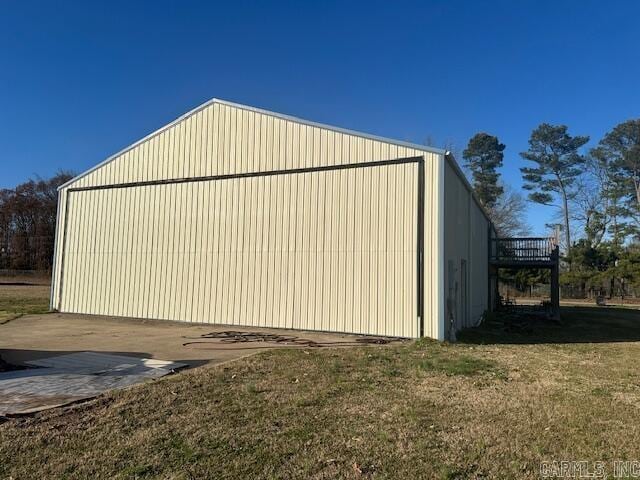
x=19 y=357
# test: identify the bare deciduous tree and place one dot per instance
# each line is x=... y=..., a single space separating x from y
x=28 y=222
x=509 y=212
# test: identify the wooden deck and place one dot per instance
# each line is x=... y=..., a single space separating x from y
x=526 y=253
x=530 y=252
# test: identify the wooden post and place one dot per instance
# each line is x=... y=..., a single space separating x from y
x=555 y=284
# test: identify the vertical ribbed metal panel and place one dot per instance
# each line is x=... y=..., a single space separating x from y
x=433 y=248
x=332 y=251
x=223 y=139
x=465 y=232
x=478 y=262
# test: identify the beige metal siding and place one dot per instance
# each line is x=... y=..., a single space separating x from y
x=433 y=237
x=479 y=263
x=333 y=250
x=466 y=258
x=225 y=139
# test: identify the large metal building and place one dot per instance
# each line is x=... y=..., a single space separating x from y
x=241 y=216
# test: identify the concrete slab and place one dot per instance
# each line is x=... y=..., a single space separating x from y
x=81 y=356
x=96 y=363
x=69 y=378
x=33 y=337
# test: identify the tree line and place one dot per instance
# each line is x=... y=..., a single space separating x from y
x=28 y=223
x=594 y=194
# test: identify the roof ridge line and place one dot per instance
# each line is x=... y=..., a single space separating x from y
x=282 y=116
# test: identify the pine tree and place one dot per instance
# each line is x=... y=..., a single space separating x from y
x=483 y=157
x=620 y=149
x=557 y=166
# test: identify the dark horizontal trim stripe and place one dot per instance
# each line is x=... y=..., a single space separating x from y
x=268 y=173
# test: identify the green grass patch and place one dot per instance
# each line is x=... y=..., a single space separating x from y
x=11 y=308
x=22 y=300
x=459 y=365
x=24 y=305
x=492 y=406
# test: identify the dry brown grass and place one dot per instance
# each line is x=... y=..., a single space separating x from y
x=418 y=410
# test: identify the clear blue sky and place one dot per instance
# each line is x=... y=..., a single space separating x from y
x=81 y=80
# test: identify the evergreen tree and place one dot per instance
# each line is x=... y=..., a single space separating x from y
x=557 y=165
x=483 y=157
x=607 y=196
x=620 y=150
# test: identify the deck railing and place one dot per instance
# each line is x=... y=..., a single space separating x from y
x=524 y=249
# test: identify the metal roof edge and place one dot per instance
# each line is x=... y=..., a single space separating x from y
x=204 y=105
x=138 y=142
x=438 y=151
x=456 y=168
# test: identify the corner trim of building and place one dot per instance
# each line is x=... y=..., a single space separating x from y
x=440 y=295
x=420 y=247
x=55 y=254
x=67 y=199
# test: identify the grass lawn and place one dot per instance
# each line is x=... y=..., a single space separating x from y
x=493 y=405
x=19 y=298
